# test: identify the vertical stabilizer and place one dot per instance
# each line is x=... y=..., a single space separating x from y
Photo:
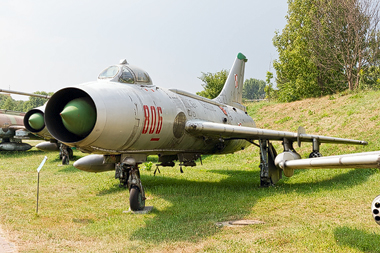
x=231 y=93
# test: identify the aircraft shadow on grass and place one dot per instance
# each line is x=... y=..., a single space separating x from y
x=357 y=239
x=69 y=169
x=229 y=199
x=20 y=154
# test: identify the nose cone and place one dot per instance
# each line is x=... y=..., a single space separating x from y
x=78 y=116
x=36 y=120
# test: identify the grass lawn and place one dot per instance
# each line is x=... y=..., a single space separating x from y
x=313 y=211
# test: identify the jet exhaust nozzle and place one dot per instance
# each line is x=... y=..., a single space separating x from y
x=34 y=119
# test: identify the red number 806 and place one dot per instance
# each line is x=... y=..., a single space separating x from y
x=153 y=120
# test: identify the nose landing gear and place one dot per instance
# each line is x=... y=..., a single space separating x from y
x=65 y=154
x=129 y=175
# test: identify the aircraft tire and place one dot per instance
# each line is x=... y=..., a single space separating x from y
x=136 y=201
x=65 y=160
x=71 y=153
x=315 y=154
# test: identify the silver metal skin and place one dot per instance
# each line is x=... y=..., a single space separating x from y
x=231 y=131
x=93 y=163
x=148 y=120
x=48 y=146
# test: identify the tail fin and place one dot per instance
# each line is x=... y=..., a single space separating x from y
x=232 y=91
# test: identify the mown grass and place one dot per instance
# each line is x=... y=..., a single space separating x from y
x=313 y=211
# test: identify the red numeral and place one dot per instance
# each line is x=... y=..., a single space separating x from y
x=153 y=125
x=146 y=122
x=153 y=120
x=159 y=123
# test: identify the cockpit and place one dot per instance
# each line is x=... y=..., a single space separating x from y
x=125 y=73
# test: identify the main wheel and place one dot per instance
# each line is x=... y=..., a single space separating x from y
x=136 y=200
x=315 y=154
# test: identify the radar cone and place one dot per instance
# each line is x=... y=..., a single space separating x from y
x=78 y=116
x=36 y=121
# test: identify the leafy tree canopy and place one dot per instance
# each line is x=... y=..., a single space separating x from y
x=8 y=103
x=297 y=74
x=212 y=83
x=253 y=89
x=324 y=46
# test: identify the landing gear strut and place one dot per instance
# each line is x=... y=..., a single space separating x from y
x=269 y=173
x=315 y=152
x=65 y=154
x=129 y=175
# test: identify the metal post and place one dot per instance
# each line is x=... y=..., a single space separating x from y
x=38 y=180
x=38 y=189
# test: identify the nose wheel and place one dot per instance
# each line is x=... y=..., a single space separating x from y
x=65 y=154
x=136 y=199
x=129 y=175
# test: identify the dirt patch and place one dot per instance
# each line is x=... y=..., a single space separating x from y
x=5 y=246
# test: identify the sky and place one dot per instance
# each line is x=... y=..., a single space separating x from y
x=48 y=45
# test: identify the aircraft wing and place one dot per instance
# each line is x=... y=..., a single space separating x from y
x=204 y=128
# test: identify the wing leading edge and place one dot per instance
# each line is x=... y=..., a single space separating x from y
x=240 y=132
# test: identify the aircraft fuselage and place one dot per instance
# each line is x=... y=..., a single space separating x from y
x=144 y=119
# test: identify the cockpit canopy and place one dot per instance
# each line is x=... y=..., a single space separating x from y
x=125 y=73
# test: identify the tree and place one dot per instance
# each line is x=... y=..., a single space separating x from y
x=297 y=75
x=3 y=98
x=325 y=45
x=34 y=102
x=18 y=105
x=212 y=83
x=370 y=78
x=269 y=86
x=345 y=38
x=253 y=89
x=9 y=103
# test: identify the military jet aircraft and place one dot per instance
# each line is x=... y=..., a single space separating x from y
x=29 y=125
x=123 y=117
x=12 y=131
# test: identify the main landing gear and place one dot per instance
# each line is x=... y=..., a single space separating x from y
x=65 y=154
x=270 y=174
x=129 y=175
